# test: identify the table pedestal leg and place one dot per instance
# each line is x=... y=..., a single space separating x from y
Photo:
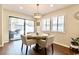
x=36 y=48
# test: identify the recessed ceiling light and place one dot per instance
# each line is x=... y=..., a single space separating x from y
x=20 y=7
x=51 y=5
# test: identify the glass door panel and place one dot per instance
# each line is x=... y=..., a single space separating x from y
x=16 y=28
x=29 y=26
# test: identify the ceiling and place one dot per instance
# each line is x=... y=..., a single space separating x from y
x=30 y=9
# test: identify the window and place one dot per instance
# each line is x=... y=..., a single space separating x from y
x=54 y=24
x=20 y=25
x=61 y=24
x=29 y=26
x=16 y=27
x=57 y=24
x=16 y=24
x=46 y=24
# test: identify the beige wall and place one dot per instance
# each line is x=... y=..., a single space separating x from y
x=0 y=25
x=71 y=25
x=6 y=14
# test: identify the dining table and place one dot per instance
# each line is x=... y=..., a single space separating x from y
x=37 y=38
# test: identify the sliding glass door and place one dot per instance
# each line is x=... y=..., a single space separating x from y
x=18 y=27
x=29 y=26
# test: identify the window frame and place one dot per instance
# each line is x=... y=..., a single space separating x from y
x=52 y=24
x=34 y=26
x=57 y=24
x=63 y=23
x=46 y=24
x=24 y=22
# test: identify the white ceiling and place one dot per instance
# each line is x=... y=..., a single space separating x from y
x=30 y=9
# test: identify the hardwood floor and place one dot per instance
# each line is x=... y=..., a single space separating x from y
x=14 y=48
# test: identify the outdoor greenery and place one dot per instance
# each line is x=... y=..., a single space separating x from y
x=75 y=41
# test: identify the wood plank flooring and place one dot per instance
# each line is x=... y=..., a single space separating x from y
x=14 y=48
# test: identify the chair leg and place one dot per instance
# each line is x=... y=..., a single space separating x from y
x=45 y=51
x=22 y=47
x=26 y=49
x=52 y=48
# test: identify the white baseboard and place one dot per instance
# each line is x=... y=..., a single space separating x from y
x=61 y=44
x=2 y=45
x=6 y=42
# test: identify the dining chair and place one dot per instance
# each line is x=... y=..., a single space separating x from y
x=46 y=43
x=27 y=42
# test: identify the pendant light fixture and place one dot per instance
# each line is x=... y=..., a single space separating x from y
x=37 y=15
